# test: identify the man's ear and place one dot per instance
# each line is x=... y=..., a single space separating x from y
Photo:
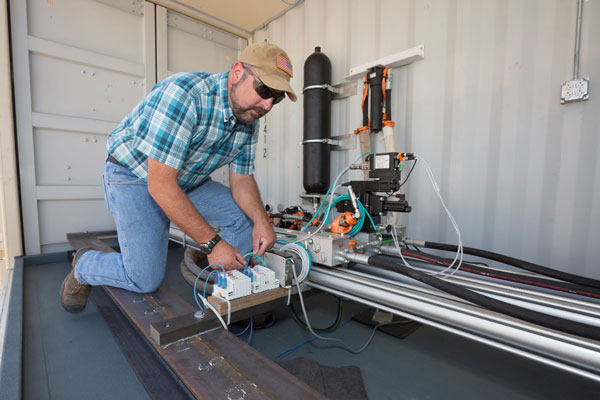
x=237 y=72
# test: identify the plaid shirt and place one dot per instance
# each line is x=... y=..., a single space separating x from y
x=186 y=122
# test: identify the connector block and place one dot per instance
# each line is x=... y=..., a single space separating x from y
x=263 y=279
x=232 y=285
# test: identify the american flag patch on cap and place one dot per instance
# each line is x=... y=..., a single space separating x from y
x=285 y=65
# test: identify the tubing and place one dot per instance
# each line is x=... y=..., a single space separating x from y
x=190 y=258
x=505 y=275
x=560 y=324
x=317 y=122
x=565 y=276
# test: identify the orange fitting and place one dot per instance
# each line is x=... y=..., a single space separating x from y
x=343 y=223
x=352 y=244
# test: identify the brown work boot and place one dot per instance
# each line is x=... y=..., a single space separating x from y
x=74 y=295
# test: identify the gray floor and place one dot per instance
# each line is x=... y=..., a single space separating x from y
x=70 y=356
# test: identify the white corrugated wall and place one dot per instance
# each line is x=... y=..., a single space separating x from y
x=519 y=170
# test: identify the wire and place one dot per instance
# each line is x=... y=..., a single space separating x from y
x=251 y=328
x=323 y=202
x=459 y=252
x=345 y=346
x=254 y=255
x=409 y=172
x=289 y=351
x=245 y=329
x=330 y=328
x=304 y=257
x=198 y=277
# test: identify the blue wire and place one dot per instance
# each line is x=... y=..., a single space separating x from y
x=195 y=296
x=254 y=255
x=289 y=351
x=251 y=328
x=244 y=331
x=206 y=282
x=196 y=282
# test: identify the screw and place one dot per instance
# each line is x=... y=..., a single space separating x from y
x=167 y=325
x=199 y=314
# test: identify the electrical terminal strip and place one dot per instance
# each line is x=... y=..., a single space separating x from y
x=263 y=279
x=232 y=285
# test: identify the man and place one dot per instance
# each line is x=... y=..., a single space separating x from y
x=159 y=160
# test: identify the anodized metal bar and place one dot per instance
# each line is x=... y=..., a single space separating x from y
x=554 y=306
x=568 y=352
x=450 y=329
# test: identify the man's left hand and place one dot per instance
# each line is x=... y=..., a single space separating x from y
x=263 y=238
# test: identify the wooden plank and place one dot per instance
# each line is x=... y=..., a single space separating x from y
x=212 y=364
x=248 y=301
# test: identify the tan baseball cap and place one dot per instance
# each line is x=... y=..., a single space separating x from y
x=272 y=65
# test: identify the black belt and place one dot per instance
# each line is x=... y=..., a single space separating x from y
x=115 y=161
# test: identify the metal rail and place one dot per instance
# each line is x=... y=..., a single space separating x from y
x=567 y=352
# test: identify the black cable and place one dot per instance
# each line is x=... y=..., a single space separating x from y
x=409 y=172
x=565 y=276
x=506 y=275
x=330 y=328
x=190 y=259
x=560 y=324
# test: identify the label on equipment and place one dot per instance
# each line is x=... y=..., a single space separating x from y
x=382 y=162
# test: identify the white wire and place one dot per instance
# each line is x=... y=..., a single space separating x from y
x=436 y=188
x=206 y=303
x=459 y=252
x=302 y=253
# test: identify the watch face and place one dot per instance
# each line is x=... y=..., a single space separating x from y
x=204 y=248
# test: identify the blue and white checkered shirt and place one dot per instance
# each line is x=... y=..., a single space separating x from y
x=185 y=122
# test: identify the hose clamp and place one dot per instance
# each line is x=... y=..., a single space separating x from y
x=325 y=86
x=328 y=141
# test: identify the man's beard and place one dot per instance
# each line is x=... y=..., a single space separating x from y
x=244 y=114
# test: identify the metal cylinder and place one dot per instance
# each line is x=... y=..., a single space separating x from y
x=375 y=81
x=317 y=122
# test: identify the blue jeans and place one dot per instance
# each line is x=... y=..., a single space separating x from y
x=143 y=231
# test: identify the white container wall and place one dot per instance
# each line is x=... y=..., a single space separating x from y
x=519 y=171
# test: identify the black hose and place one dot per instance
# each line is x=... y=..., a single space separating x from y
x=505 y=275
x=565 y=276
x=560 y=324
x=192 y=258
x=190 y=278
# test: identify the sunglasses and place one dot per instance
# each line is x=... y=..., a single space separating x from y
x=264 y=91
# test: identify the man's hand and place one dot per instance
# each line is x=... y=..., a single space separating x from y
x=226 y=255
x=263 y=238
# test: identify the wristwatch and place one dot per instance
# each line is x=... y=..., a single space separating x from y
x=206 y=248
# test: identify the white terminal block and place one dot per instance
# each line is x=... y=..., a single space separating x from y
x=263 y=279
x=238 y=285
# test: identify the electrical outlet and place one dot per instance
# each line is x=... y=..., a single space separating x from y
x=575 y=90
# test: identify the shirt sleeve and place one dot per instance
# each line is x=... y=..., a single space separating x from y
x=243 y=164
x=171 y=120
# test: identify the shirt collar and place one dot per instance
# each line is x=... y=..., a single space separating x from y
x=227 y=111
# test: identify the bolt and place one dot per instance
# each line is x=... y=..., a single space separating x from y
x=167 y=325
x=199 y=314
x=68 y=167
